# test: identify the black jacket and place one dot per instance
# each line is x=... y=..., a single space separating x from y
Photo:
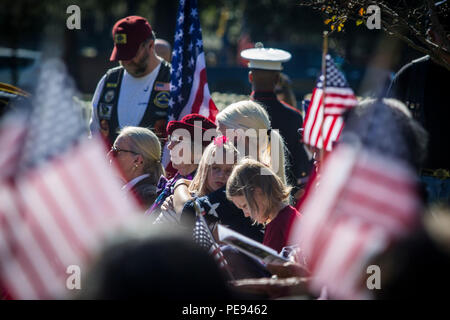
x=287 y=120
x=218 y=209
x=145 y=192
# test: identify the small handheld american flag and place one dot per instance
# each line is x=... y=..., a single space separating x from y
x=364 y=203
x=204 y=238
x=323 y=121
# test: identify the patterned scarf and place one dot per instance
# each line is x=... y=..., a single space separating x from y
x=165 y=187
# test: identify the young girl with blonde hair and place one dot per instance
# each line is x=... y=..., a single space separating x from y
x=212 y=174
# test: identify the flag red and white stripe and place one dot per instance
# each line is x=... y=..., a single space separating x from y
x=362 y=203
x=55 y=217
x=12 y=133
x=323 y=121
x=200 y=100
x=59 y=197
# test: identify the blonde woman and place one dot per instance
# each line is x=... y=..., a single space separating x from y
x=248 y=124
x=137 y=152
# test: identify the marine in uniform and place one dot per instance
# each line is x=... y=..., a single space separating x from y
x=265 y=66
x=136 y=93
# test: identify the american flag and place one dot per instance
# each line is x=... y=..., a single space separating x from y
x=323 y=122
x=58 y=195
x=189 y=88
x=364 y=203
x=204 y=238
x=189 y=92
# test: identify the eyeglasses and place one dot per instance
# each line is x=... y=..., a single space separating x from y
x=115 y=151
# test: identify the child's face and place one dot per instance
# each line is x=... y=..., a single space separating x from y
x=218 y=175
x=258 y=214
x=241 y=203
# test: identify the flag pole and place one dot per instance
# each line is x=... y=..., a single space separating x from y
x=324 y=73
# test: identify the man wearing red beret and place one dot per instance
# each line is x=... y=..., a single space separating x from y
x=136 y=93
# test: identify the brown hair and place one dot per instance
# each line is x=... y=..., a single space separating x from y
x=248 y=175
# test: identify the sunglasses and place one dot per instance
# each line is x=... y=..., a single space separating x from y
x=115 y=151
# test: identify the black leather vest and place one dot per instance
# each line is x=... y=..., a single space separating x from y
x=155 y=116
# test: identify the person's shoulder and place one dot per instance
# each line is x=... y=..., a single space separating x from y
x=111 y=75
x=146 y=192
x=292 y=110
x=289 y=212
x=414 y=64
x=166 y=63
x=284 y=219
x=145 y=186
x=294 y=211
x=424 y=59
x=165 y=66
x=219 y=193
x=113 y=70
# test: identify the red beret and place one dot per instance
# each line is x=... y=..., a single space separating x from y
x=188 y=123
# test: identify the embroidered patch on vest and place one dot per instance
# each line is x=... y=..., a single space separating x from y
x=162 y=99
x=111 y=85
x=104 y=111
x=109 y=96
x=162 y=86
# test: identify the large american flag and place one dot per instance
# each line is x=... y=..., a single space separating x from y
x=189 y=92
x=364 y=203
x=323 y=122
x=58 y=195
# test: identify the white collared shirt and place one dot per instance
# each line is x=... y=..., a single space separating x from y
x=134 y=181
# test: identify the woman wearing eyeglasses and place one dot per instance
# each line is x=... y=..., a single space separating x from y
x=137 y=152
